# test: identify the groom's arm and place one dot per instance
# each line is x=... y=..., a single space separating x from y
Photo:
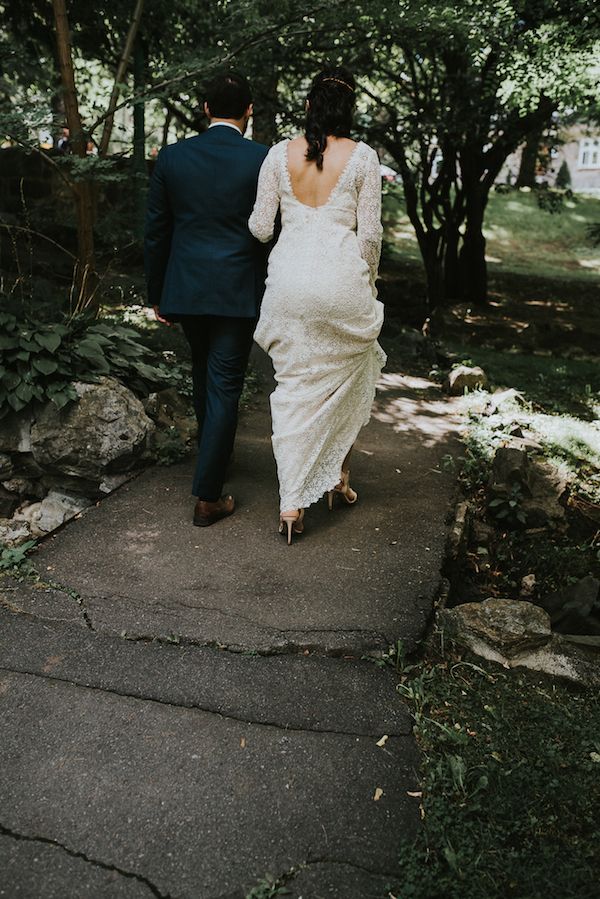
x=158 y=232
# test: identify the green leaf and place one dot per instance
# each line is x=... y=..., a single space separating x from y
x=7 y=342
x=495 y=503
x=24 y=392
x=15 y=402
x=50 y=340
x=45 y=365
x=30 y=345
x=11 y=380
x=61 y=399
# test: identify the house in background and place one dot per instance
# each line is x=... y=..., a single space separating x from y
x=580 y=150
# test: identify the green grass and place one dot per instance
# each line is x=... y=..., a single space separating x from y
x=525 y=239
x=511 y=786
x=521 y=238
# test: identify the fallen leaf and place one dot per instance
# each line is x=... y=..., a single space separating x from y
x=416 y=794
x=243 y=742
x=378 y=794
x=595 y=756
x=383 y=740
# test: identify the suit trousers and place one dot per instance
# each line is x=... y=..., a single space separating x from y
x=220 y=348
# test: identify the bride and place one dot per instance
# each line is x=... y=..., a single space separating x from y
x=320 y=318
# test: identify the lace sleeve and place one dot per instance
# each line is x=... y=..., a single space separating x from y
x=368 y=215
x=262 y=220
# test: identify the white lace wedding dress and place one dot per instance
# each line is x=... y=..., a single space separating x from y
x=320 y=319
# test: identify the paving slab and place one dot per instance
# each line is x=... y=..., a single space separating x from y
x=196 y=804
x=290 y=691
x=359 y=579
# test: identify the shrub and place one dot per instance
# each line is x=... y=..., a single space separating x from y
x=563 y=177
x=38 y=362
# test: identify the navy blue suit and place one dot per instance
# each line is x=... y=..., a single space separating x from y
x=205 y=270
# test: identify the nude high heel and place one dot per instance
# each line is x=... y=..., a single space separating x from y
x=344 y=490
x=293 y=523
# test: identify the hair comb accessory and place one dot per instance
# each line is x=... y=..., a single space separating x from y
x=339 y=81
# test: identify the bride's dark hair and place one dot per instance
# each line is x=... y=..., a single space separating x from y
x=330 y=110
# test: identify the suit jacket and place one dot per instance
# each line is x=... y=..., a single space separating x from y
x=199 y=255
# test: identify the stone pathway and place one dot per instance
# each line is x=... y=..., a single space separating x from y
x=190 y=711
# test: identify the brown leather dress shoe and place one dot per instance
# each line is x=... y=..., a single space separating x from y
x=206 y=513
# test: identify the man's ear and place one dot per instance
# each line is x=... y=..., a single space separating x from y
x=206 y=110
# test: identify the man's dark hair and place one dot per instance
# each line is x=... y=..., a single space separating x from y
x=228 y=96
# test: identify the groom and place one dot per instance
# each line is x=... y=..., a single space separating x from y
x=205 y=270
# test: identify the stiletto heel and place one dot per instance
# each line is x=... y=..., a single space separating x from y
x=344 y=490
x=292 y=523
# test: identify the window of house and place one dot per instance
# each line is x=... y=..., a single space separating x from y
x=589 y=153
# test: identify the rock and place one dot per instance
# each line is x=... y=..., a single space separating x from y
x=517 y=636
x=504 y=399
x=463 y=378
x=548 y=493
x=576 y=608
x=563 y=657
x=104 y=431
x=510 y=466
x=528 y=585
x=25 y=466
x=24 y=487
x=74 y=486
x=8 y=503
x=459 y=533
x=111 y=482
x=6 y=465
x=54 y=510
x=15 y=433
x=14 y=533
x=482 y=533
x=168 y=409
x=498 y=627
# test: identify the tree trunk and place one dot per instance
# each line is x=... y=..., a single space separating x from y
x=139 y=138
x=529 y=157
x=85 y=271
x=473 y=267
x=120 y=76
x=429 y=244
x=451 y=263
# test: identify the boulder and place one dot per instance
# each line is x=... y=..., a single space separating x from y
x=53 y=511
x=14 y=533
x=498 y=628
x=8 y=503
x=517 y=636
x=545 y=506
x=105 y=430
x=464 y=378
x=504 y=399
x=15 y=432
x=6 y=465
x=24 y=487
x=576 y=608
x=510 y=467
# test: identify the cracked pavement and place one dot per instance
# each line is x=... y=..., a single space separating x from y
x=185 y=710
